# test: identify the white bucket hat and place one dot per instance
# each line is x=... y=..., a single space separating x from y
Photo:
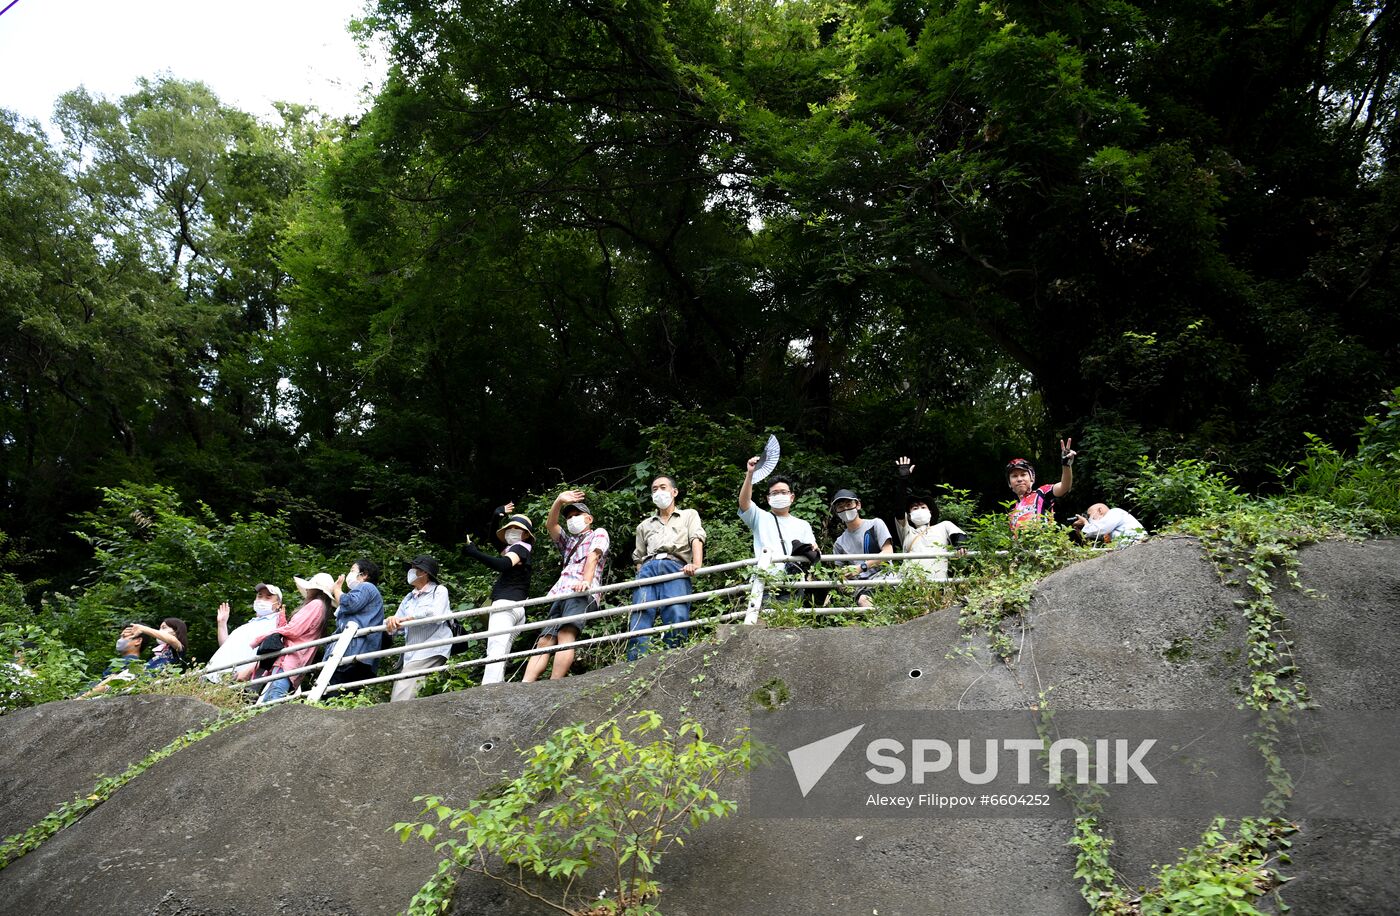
x=321 y=580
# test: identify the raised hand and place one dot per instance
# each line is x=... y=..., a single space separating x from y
x=1067 y=453
x=753 y=463
x=223 y=612
x=509 y=509
x=904 y=465
x=570 y=496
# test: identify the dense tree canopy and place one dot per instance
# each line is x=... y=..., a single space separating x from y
x=954 y=229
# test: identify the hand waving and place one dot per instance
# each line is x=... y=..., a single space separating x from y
x=1067 y=453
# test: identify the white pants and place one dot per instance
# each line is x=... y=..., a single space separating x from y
x=407 y=688
x=499 y=646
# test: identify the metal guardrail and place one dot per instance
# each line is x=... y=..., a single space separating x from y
x=756 y=588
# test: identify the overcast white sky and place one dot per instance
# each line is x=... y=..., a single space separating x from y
x=250 y=52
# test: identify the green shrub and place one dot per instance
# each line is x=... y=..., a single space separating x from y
x=1368 y=481
x=46 y=670
x=955 y=505
x=1182 y=489
x=594 y=805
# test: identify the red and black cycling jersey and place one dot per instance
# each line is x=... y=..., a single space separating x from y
x=1039 y=501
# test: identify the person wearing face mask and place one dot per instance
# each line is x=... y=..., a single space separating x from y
x=305 y=626
x=584 y=548
x=123 y=667
x=916 y=529
x=234 y=648
x=669 y=540
x=357 y=600
x=1034 y=503
x=778 y=529
x=171 y=641
x=860 y=536
x=427 y=598
x=514 y=565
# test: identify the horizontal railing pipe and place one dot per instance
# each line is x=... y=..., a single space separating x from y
x=541 y=624
x=542 y=650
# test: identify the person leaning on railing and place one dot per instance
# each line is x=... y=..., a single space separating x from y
x=918 y=533
x=305 y=626
x=358 y=600
x=514 y=566
x=668 y=541
x=427 y=598
x=584 y=548
x=861 y=536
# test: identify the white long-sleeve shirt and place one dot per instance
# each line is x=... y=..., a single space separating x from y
x=1116 y=524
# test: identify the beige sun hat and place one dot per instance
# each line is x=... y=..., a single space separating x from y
x=322 y=581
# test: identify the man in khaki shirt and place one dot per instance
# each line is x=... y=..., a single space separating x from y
x=669 y=542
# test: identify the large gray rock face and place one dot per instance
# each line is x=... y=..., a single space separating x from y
x=290 y=812
x=51 y=753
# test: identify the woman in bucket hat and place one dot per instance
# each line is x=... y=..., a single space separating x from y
x=514 y=565
x=305 y=626
x=427 y=598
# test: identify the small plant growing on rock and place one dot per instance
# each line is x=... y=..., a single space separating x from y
x=593 y=807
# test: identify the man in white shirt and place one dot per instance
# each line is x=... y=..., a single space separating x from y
x=778 y=529
x=1115 y=526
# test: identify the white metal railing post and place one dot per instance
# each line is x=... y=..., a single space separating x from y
x=765 y=562
x=332 y=663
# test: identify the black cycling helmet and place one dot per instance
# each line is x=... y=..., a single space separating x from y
x=1019 y=464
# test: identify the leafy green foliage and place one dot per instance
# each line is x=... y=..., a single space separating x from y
x=1226 y=873
x=593 y=804
x=1188 y=487
x=155 y=560
x=43 y=668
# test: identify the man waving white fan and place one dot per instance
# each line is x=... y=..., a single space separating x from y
x=779 y=529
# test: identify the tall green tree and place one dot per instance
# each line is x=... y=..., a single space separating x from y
x=141 y=300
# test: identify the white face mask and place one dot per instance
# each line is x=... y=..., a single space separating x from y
x=413 y=576
x=661 y=498
x=780 y=500
x=262 y=607
x=576 y=524
x=920 y=517
x=848 y=515
x=513 y=536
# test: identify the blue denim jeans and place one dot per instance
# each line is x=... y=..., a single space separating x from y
x=275 y=690
x=670 y=613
